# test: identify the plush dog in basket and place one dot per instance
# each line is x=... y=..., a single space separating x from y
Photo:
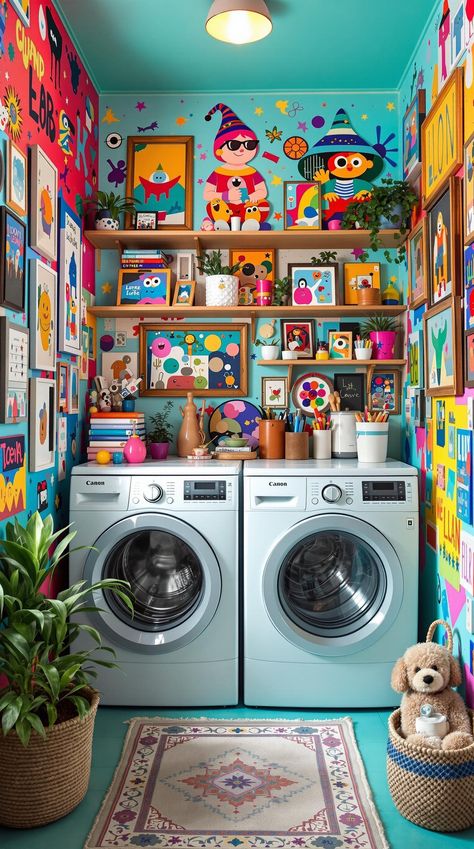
x=425 y=675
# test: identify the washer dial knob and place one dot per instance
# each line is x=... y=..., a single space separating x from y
x=332 y=493
x=153 y=493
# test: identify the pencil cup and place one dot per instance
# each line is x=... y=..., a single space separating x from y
x=322 y=444
x=297 y=446
x=372 y=441
x=271 y=439
x=363 y=353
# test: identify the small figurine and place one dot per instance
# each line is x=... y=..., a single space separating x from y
x=105 y=404
x=115 y=390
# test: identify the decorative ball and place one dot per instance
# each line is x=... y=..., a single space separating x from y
x=103 y=457
x=93 y=409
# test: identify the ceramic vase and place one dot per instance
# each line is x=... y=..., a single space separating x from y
x=383 y=344
x=189 y=435
x=134 y=450
x=222 y=290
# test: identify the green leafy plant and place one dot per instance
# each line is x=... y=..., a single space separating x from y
x=267 y=341
x=393 y=200
x=324 y=257
x=210 y=264
x=46 y=675
x=161 y=430
x=377 y=324
x=282 y=292
x=113 y=203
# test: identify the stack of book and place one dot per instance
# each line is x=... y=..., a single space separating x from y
x=110 y=431
x=142 y=258
x=227 y=449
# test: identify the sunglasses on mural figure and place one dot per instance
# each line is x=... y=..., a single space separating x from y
x=234 y=144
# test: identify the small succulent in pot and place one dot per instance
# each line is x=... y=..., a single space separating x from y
x=382 y=332
x=222 y=285
x=109 y=207
x=282 y=292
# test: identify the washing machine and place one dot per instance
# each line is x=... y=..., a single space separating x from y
x=330 y=581
x=171 y=530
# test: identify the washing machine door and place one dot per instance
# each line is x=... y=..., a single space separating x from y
x=333 y=584
x=174 y=577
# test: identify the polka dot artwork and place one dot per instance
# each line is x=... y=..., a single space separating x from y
x=311 y=392
x=237 y=418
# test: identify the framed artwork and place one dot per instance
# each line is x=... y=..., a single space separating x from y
x=464 y=475
x=302 y=205
x=62 y=383
x=73 y=399
x=469 y=308
x=117 y=366
x=17 y=180
x=469 y=267
x=469 y=190
x=43 y=203
x=42 y=423
x=84 y=354
x=184 y=293
x=418 y=407
x=13 y=372
x=415 y=359
x=298 y=337
x=444 y=229
x=360 y=275
x=160 y=178
x=22 y=8
x=210 y=359
x=12 y=261
x=310 y=393
x=418 y=269
x=184 y=266
x=340 y=344
x=151 y=286
x=351 y=388
x=412 y=121
x=70 y=280
x=12 y=476
x=254 y=265
x=146 y=220
x=313 y=285
x=442 y=138
x=275 y=392
x=384 y=392
x=43 y=282
x=442 y=349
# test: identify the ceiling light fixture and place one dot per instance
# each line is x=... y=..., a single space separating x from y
x=239 y=21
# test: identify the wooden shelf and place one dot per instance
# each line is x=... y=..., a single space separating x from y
x=370 y=365
x=157 y=311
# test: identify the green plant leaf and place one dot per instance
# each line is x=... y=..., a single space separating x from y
x=52 y=713
x=11 y=713
x=36 y=723
x=81 y=704
x=52 y=676
x=23 y=729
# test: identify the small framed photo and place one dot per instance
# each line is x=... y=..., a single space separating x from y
x=360 y=275
x=152 y=286
x=183 y=295
x=469 y=349
x=13 y=372
x=17 y=180
x=42 y=423
x=12 y=261
x=302 y=206
x=43 y=204
x=418 y=271
x=443 y=348
x=274 y=392
x=62 y=381
x=298 y=337
x=384 y=392
x=313 y=285
x=146 y=220
x=412 y=121
x=444 y=228
x=185 y=266
x=469 y=190
x=73 y=399
x=340 y=344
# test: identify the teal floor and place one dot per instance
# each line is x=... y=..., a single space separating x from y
x=370 y=730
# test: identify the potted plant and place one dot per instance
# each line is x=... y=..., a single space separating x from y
x=109 y=207
x=222 y=286
x=389 y=205
x=382 y=332
x=161 y=434
x=282 y=292
x=47 y=709
x=270 y=348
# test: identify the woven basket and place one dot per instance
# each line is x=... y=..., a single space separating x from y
x=48 y=778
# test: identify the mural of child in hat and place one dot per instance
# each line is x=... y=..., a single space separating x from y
x=235 y=188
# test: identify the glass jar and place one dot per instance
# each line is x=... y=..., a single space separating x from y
x=322 y=352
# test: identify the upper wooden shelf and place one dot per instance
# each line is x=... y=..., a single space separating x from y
x=157 y=311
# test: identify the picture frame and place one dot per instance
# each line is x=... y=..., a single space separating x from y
x=184 y=266
x=43 y=287
x=469 y=358
x=419 y=414
x=298 y=336
x=443 y=126
x=210 y=359
x=340 y=345
x=146 y=220
x=144 y=286
x=184 y=291
x=302 y=205
x=43 y=204
x=14 y=341
x=12 y=260
x=445 y=273
x=412 y=150
x=62 y=385
x=255 y=264
x=351 y=388
x=170 y=192
x=360 y=275
x=73 y=398
x=442 y=348
x=469 y=190
x=84 y=355
x=17 y=179
x=384 y=391
x=469 y=267
x=42 y=423
x=313 y=285
x=69 y=280
x=418 y=266
x=22 y=8
x=274 y=392
x=415 y=359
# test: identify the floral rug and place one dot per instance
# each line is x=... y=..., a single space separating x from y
x=224 y=784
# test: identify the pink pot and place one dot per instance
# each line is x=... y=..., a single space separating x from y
x=134 y=450
x=335 y=224
x=159 y=450
x=383 y=344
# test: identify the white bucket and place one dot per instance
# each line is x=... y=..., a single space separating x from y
x=322 y=444
x=372 y=441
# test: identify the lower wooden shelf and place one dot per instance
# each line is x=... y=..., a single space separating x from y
x=303 y=362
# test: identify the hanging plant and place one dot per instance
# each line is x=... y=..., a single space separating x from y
x=393 y=201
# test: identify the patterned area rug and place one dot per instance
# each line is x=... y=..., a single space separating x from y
x=225 y=784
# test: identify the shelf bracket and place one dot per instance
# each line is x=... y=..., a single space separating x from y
x=253 y=327
x=120 y=246
x=197 y=244
x=290 y=375
x=98 y=258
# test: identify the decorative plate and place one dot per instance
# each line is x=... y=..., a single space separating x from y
x=236 y=418
x=311 y=392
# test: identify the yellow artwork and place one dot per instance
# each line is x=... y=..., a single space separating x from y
x=360 y=275
x=159 y=178
x=442 y=138
x=12 y=476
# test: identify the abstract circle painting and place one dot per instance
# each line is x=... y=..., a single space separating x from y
x=311 y=393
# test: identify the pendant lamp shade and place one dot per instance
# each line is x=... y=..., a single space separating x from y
x=239 y=21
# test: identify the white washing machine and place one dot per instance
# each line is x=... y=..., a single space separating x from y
x=171 y=530
x=330 y=580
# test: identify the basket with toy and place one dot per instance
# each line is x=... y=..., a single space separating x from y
x=430 y=753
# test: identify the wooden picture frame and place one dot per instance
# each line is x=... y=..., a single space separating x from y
x=12 y=260
x=42 y=423
x=446 y=319
x=13 y=372
x=184 y=265
x=302 y=206
x=73 y=397
x=412 y=150
x=43 y=288
x=340 y=345
x=146 y=220
x=383 y=391
x=184 y=291
x=274 y=392
x=69 y=280
x=351 y=388
x=469 y=358
x=418 y=265
x=62 y=385
x=167 y=187
x=416 y=352
x=17 y=179
x=445 y=253
x=298 y=336
x=208 y=359
x=468 y=205
x=144 y=286
x=444 y=123
x=313 y=285
x=43 y=204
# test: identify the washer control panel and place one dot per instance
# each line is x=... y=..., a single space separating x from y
x=205 y=490
x=384 y=490
x=202 y=492
x=361 y=493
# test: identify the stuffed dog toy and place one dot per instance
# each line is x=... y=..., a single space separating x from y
x=425 y=675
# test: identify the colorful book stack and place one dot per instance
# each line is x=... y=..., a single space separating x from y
x=143 y=258
x=110 y=431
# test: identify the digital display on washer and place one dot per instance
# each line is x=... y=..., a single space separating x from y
x=383 y=490
x=207 y=490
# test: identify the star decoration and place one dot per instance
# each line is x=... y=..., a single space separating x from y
x=199 y=146
x=390 y=106
x=203 y=156
x=253 y=356
x=357 y=252
x=140 y=105
x=106 y=288
x=276 y=181
x=302 y=125
x=109 y=117
x=278 y=216
x=393 y=278
x=364 y=117
x=200 y=181
x=258 y=111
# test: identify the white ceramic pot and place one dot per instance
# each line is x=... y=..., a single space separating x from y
x=222 y=290
x=104 y=221
x=363 y=353
x=270 y=352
